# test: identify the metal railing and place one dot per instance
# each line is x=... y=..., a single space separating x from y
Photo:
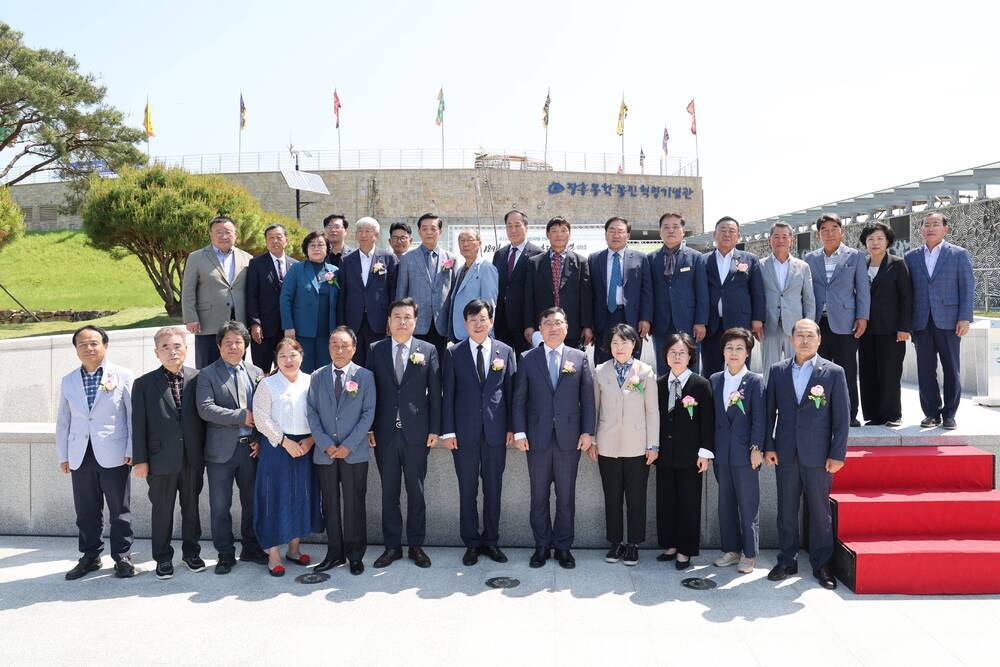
x=987 y=295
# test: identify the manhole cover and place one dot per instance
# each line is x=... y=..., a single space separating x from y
x=698 y=583
x=312 y=578
x=502 y=582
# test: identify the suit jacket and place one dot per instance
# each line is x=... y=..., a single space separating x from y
x=575 y=294
x=263 y=293
x=681 y=434
x=541 y=412
x=799 y=430
x=162 y=436
x=637 y=287
x=628 y=420
x=431 y=296
x=948 y=294
x=345 y=422
x=472 y=410
x=300 y=297
x=742 y=292
x=206 y=290
x=107 y=426
x=416 y=400
x=736 y=431
x=891 y=297
x=510 y=297
x=337 y=259
x=847 y=296
x=785 y=307
x=219 y=408
x=481 y=282
x=682 y=301
x=359 y=301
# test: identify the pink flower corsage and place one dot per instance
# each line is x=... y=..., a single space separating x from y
x=689 y=403
x=418 y=358
x=378 y=268
x=497 y=365
x=351 y=387
x=108 y=385
x=635 y=384
x=742 y=267
x=736 y=398
x=568 y=367
x=448 y=264
x=817 y=396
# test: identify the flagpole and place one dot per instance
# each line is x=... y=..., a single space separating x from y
x=442 y=143
x=545 y=154
x=338 y=133
x=697 y=159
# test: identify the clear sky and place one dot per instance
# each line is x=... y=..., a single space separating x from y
x=799 y=103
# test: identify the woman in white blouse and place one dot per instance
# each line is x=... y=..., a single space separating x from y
x=286 y=498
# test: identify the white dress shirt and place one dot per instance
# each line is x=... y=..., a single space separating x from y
x=731 y=383
x=781 y=271
x=281 y=408
x=831 y=261
x=487 y=350
x=520 y=435
x=407 y=346
x=684 y=377
x=723 y=263
x=620 y=295
x=520 y=250
x=280 y=264
x=931 y=258
x=366 y=264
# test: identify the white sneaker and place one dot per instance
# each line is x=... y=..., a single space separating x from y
x=746 y=565
x=727 y=559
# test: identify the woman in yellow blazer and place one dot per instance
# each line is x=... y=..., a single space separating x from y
x=626 y=443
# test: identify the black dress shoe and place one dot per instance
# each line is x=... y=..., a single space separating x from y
x=874 y=422
x=225 y=564
x=855 y=423
x=565 y=558
x=388 y=556
x=539 y=557
x=328 y=564
x=825 y=578
x=781 y=572
x=194 y=563
x=254 y=556
x=357 y=567
x=682 y=564
x=615 y=553
x=930 y=422
x=82 y=567
x=949 y=424
x=665 y=557
x=631 y=556
x=419 y=558
x=493 y=553
x=124 y=568
x=471 y=556
x=164 y=570
x=893 y=423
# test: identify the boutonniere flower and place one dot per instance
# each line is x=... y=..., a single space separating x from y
x=378 y=268
x=817 y=396
x=448 y=264
x=736 y=398
x=689 y=403
x=108 y=385
x=418 y=358
x=351 y=387
x=497 y=365
x=635 y=384
x=742 y=267
x=568 y=367
x=330 y=278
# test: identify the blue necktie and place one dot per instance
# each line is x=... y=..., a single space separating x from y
x=614 y=283
x=429 y=257
x=554 y=367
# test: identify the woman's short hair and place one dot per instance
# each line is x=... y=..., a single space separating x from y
x=890 y=237
x=623 y=331
x=680 y=337
x=310 y=237
x=737 y=333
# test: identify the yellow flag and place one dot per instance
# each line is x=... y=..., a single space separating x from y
x=622 y=112
x=147 y=122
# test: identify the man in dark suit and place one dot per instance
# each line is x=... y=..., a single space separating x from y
x=335 y=230
x=407 y=424
x=559 y=278
x=225 y=402
x=478 y=387
x=511 y=262
x=680 y=289
x=168 y=441
x=943 y=289
x=554 y=420
x=735 y=294
x=808 y=417
x=264 y=277
x=623 y=289
x=368 y=286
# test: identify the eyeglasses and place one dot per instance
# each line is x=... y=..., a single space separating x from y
x=733 y=350
x=678 y=354
x=341 y=347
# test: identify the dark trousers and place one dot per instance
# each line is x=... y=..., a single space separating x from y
x=347 y=537
x=739 y=509
x=263 y=353
x=841 y=349
x=242 y=469
x=933 y=343
x=366 y=336
x=163 y=493
x=624 y=478
x=398 y=464
x=437 y=340
x=678 y=509
x=794 y=480
x=545 y=468
x=94 y=485
x=206 y=350
x=602 y=349
x=880 y=367
x=472 y=463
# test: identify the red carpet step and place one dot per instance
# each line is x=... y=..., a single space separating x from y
x=951 y=468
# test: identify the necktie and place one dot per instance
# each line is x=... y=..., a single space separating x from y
x=511 y=261
x=241 y=388
x=614 y=283
x=480 y=364
x=338 y=387
x=554 y=367
x=620 y=370
x=429 y=258
x=461 y=276
x=281 y=270
x=669 y=263
x=400 y=362
x=556 y=274
x=675 y=393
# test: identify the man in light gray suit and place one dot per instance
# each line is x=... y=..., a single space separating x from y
x=225 y=402
x=426 y=275
x=213 y=289
x=94 y=444
x=788 y=295
x=341 y=409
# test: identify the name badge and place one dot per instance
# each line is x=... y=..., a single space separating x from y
x=683 y=269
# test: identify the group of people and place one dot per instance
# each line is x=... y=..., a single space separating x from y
x=480 y=356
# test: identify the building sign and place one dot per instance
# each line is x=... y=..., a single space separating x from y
x=619 y=190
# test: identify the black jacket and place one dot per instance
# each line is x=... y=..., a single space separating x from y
x=681 y=434
x=892 y=297
x=160 y=436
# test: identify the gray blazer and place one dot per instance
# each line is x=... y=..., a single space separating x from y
x=345 y=422
x=431 y=298
x=847 y=296
x=218 y=406
x=205 y=290
x=795 y=302
x=107 y=426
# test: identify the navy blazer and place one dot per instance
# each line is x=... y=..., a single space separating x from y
x=358 y=299
x=799 y=430
x=263 y=293
x=510 y=300
x=742 y=292
x=636 y=285
x=300 y=300
x=568 y=410
x=736 y=431
x=948 y=294
x=682 y=301
x=417 y=399
x=575 y=292
x=472 y=410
